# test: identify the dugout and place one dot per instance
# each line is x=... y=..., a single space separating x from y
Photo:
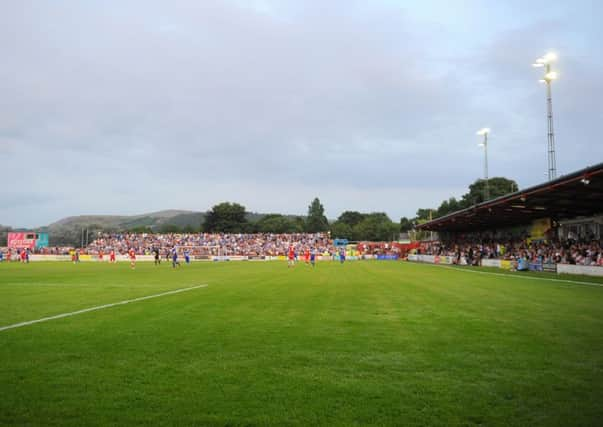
x=569 y=207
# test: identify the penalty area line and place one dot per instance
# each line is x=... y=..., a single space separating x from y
x=516 y=276
x=100 y=307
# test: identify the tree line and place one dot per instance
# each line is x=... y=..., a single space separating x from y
x=351 y=225
x=498 y=186
x=230 y=217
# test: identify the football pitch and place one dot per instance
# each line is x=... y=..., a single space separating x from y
x=364 y=343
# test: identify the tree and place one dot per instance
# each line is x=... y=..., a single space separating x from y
x=447 y=206
x=277 y=223
x=4 y=230
x=405 y=224
x=300 y=223
x=316 y=221
x=189 y=229
x=351 y=218
x=341 y=230
x=424 y=213
x=422 y=234
x=376 y=227
x=140 y=229
x=169 y=228
x=498 y=186
x=226 y=218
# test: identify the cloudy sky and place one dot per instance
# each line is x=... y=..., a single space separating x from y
x=123 y=107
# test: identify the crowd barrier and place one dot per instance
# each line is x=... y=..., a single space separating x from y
x=580 y=269
x=50 y=258
x=387 y=257
x=430 y=259
x=506 y=265
x=196 y=258
x=492 y=263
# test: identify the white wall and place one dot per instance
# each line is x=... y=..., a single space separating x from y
x=580 y=269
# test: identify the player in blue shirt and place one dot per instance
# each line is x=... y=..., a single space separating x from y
x=175 y=257
x=187 y=256
x=313 y=257
x=342 y=256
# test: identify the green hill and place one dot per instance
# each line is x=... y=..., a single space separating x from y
x=77 y=230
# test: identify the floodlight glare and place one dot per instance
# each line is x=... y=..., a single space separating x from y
x=484 y=132
x=549 y=57
x=551 y=75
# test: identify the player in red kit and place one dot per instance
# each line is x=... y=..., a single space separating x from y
x=307 y=256
x=100 y=255
x=112 y=256
x=132 y=258
x=291 y=257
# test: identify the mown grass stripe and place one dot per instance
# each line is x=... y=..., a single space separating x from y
x=100 y=307
x=516 y=276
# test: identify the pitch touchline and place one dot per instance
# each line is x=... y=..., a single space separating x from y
x=100 y=307
x=546 y=279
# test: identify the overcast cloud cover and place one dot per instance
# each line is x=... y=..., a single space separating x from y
x=123 y=107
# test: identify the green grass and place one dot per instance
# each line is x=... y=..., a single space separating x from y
x=365 y=343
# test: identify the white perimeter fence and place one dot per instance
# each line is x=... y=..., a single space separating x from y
x=195 y=258
x=430 y=259
x=586 y=270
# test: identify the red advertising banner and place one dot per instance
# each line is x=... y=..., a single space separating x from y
x=22 y=240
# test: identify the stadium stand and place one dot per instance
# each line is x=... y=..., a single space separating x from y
x=557 y=222
x=208 y=244
x=579 y=194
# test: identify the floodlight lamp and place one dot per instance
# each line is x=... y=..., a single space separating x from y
x=541 y=61
x=542 y=81
x=483 y=131
x=538 y=65
x=552 y=75
x=550 y=57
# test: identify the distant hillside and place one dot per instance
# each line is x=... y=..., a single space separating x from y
x=123 y=222
x=188 y=219
x=72 y=230
x=117 y=220
x=154 y=221
x=68 y=231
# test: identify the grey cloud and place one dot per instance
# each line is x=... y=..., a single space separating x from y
x=236 y=98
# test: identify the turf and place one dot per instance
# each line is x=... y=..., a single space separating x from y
x=365 y=343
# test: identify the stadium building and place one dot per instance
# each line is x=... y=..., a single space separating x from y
x=569 y=208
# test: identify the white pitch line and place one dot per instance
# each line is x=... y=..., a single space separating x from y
x=516 y=276
x=100 y=307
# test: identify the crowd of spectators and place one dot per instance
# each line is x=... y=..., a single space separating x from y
x=470 y=249
x=54 y=250
x=199 y=244
x=585 y=252
x=6 y=252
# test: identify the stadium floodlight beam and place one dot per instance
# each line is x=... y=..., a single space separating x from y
x=484 y=132
x=549 y=76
